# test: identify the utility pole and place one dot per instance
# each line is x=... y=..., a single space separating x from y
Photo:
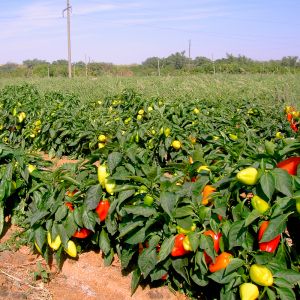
x=214 y=67
x=158 y=67
x=69 y=9
x=86 y=67
x=190 y=53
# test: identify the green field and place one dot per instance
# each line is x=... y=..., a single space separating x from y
x=284 y=88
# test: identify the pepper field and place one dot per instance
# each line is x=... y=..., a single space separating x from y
x=185 y=179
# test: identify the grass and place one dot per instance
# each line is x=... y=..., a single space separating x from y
x=285 y=88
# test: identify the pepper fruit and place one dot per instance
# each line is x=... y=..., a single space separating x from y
x=259 y=204
x=110 y=185
x=248 y=291
x=269 y=246
x=247 y=176
x=290 y=165
x=102 y=174
x=53 y=244
x=221 y=262
x=71 y=249
x=70 y=206
x=298 y=205
x=216 y=239
x=187 y=244
x=102 y=209
x=82 y=233
x=261 y=275
x=186 y=230
x=178 y=249
x=206 y=194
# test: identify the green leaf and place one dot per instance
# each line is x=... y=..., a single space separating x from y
x=78 y=215
x=147 y=261
x=93 y=196
x=168 y=201
x=135 y=280
x=286 y=293
x=267 y=183
x=283 y=181
x=271 y=294
x=166 y=248
x=237 y=234
x=136 y=237
x=289 y=275
x=282 y=282
x=40 y=236
x=37 y=216
x=276 y=226
x=252 y=217
x=234 y=264
x=184 y=211
x=61 y=213
x=104 y=242
x=126 y=255
x=180 y=266
x=89 y=220
x=113 y=160
x=70 y=225
x=139 y=210
x=129 y=227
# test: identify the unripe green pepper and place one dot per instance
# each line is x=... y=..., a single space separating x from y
x=248 y=291
x=298 y=205
x=261 y=275
x=247 y=176
x=186 y=230
x=259 y=204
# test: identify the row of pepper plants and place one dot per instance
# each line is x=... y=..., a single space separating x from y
x=200 y=196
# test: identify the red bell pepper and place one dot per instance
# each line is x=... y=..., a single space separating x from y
x=216 y=239
x=70 y=206
x=178 y=249
x=102 y=209
x=269 y=246
x=82 y=233
x=290 y=164
x=222 y=261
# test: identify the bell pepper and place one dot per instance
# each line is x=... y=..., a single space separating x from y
x=187 y=244
x=186 y=230
x=71 y=249
x=221 y=262
x=248 y=176
x=290 y=165
x=248 y=291
x=110 y=185
x=298 y=205
x=216 y=239
x=294 y=126
x=82 y=233
x=178 y=249
x=206 y=194
x=102 y=174
x=70 y=206
x=269 y=246
x=289 y=117
x=102 y=209
x=54 y=244
x=261 y=275
x=259 y=204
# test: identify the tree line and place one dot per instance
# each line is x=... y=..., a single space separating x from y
x=175 y=64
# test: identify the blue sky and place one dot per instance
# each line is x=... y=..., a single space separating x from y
x=130 y=31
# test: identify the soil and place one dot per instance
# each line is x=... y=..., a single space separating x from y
x=82 y=279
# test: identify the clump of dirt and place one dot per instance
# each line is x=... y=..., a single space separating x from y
x=82 y=279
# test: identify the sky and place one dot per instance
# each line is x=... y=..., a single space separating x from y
x=130 y=31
